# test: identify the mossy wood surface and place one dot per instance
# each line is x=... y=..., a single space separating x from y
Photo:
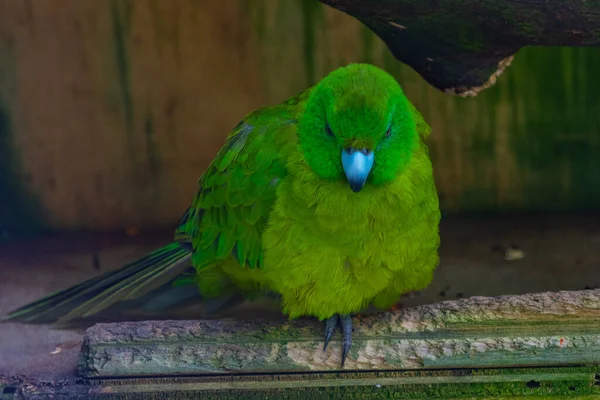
x=111 y=109
x=514 y=383
x=461 y=46
x=529 y=330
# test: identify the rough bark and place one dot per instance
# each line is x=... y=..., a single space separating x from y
x=461 y=46
x=536 y=329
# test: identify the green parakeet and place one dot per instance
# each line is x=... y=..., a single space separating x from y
x=326 y=200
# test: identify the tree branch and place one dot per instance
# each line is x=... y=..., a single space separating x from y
x=462 y=46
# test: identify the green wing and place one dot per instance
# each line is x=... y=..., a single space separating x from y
x=238 y=190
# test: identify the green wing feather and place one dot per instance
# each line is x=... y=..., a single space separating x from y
x=238 y=190
x=98 y=293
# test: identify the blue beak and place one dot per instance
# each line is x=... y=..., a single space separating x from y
x=357 y=165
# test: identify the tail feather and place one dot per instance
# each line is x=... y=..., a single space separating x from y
x=96 y=294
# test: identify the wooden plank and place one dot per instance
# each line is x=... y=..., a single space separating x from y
x=522 y=383
x=536 y=329
x=110 y=150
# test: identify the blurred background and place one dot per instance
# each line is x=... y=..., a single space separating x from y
x=110 y=110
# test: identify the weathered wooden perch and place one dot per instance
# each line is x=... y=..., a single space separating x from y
x=529 y=330
x=461 y=46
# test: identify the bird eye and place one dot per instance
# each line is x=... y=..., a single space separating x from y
x=328 y=130
x=389 y=132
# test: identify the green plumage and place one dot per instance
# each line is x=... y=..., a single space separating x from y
x=274 y=211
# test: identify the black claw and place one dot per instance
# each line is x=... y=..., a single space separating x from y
x=345 y=350
x=330 y=325
x=346 y=322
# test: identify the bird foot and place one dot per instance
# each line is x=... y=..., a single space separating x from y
x=345 y=321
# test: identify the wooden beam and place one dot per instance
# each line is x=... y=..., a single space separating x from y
x=515 y=383
x=462 y=46
x=544 y=329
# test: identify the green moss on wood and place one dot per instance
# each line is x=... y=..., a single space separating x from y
x=520 y=383
x=368 y=41
x=312 y=14
x=151 y=149
x=20 y=211
x=556 y=140
x=543 y=109
x=121 y=25
x=256 y=12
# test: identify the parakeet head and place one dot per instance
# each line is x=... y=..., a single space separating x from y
x=358 y=126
